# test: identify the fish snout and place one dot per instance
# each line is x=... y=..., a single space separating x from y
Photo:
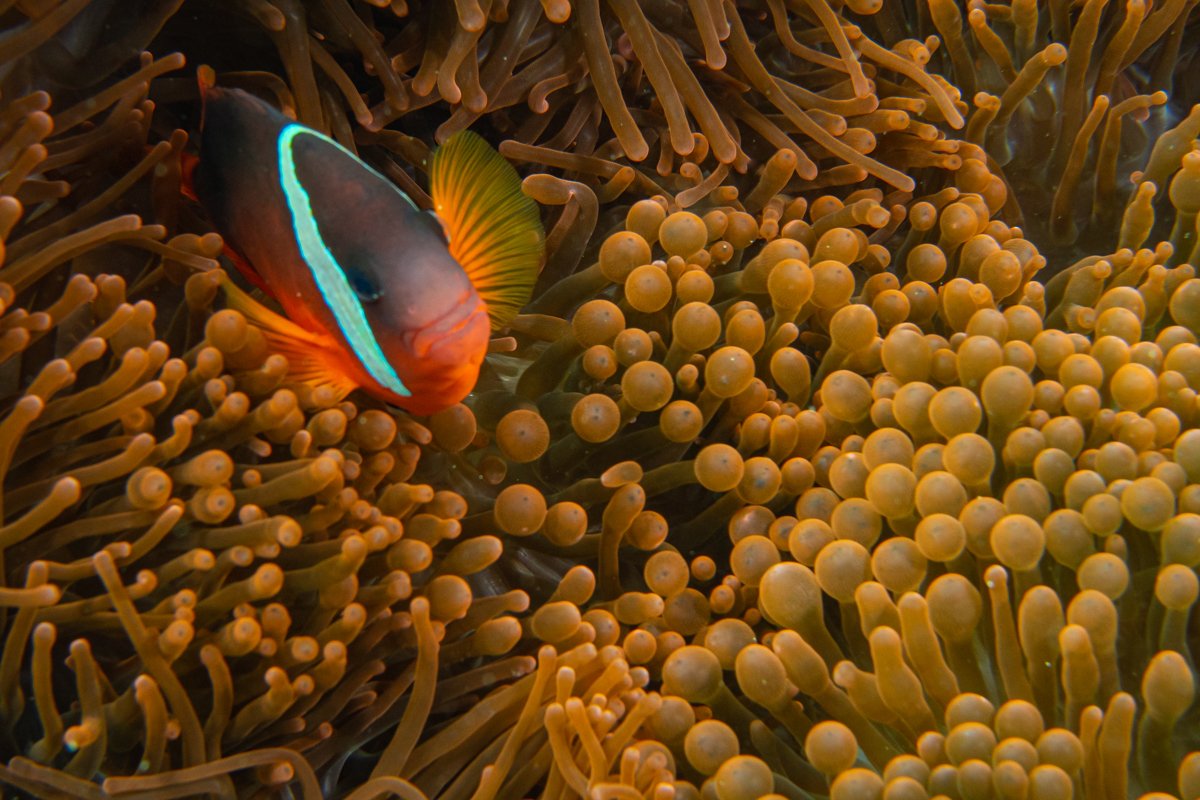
x=445 y=356
x=459 y=324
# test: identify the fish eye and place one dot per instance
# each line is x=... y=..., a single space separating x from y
x=363 y=286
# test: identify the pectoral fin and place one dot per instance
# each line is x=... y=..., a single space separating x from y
x=494 y=229
x=314 y=358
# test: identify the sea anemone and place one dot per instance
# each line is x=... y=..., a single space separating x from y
x=848 y=447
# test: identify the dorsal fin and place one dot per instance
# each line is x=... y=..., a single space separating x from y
x=187 y=175
x=206 y=80
x=494 y=229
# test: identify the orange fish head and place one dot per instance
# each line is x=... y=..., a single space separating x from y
x=438 y=363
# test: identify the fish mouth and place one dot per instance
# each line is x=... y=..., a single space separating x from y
x=445 y=329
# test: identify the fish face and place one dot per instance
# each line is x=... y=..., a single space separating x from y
x=430 y=324
x=439 y=362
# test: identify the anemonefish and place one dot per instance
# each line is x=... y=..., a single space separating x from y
x=378 y=294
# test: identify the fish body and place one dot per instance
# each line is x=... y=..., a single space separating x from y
x=375 y=293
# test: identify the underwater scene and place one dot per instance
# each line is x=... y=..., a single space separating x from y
x=607 y=399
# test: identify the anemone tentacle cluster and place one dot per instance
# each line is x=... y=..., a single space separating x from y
x=849 y=447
